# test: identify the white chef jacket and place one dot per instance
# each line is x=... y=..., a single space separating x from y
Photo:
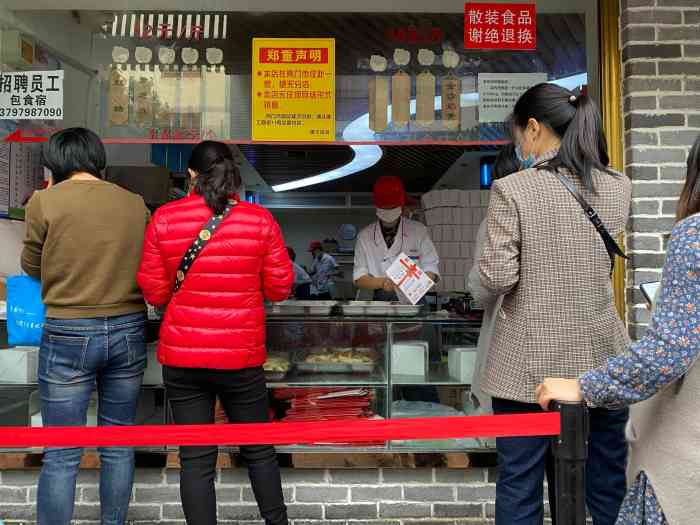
x=372 y=257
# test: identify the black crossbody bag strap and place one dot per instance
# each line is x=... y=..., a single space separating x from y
x=611 y=246
x=202 y=239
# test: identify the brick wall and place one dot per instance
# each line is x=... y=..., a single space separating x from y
x=661 y=71
x=358 y=497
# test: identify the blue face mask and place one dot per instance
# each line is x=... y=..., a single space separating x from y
x=525 y=162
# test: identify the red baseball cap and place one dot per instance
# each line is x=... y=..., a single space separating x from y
x=389 y=192
x=315 y=245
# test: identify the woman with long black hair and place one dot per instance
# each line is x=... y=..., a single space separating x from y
x=552 y=267
x=212 y=259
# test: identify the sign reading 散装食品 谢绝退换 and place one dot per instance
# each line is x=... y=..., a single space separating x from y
x=293 y=89
x=491 y=25
x=31 y=95
x=498 y=93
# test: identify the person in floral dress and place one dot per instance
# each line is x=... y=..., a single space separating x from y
x=666 y=354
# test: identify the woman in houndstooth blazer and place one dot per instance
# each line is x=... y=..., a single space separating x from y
x=558 y=317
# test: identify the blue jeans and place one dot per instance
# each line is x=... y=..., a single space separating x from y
x=75 y=355
x=521 y=468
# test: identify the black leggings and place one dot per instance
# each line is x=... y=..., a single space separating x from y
x=192 y=393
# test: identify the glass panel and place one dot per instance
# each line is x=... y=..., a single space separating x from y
x=433 y=401
x=185 y=83
x=327 y=353
x=430 y=353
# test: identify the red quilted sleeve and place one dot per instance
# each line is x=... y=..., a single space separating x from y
x=152 y=276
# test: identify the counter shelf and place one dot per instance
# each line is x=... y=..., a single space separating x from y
x=410 y=375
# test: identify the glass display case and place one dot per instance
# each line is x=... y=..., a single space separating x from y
x=321 y=368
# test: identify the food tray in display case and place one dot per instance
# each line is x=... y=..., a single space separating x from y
x=276 y=367
x=336 y=361
x=301 y=308
x=380 y=308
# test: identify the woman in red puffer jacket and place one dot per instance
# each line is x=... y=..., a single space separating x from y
x=212 y=339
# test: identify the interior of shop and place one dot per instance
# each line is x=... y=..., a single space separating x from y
x=406 y=103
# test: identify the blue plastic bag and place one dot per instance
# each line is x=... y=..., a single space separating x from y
x=25 y=311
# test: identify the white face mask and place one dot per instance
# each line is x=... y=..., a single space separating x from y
x=389 y=216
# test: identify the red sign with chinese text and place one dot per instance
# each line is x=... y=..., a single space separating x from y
x=500 y=26
x=280 y=55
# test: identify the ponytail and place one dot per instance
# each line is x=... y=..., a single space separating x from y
x=217 y=174
x=576 y=120
x=583 y=146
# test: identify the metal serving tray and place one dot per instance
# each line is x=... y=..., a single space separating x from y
x=301 y=308
x=380 y=308
x=299 y=363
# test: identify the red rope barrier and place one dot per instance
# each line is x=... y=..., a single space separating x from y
x=354 y=431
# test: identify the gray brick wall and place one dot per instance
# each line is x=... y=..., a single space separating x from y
x=314 y=497
x=661 y=90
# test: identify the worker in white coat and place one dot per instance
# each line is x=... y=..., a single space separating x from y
x=379 y=244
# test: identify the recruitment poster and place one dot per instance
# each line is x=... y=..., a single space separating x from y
x=293 y=96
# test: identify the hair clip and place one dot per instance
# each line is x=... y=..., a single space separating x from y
x=572 y=98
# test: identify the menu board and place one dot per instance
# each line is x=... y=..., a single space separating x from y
x=21 y=173
x=293 y=89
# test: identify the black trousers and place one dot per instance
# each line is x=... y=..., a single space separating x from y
x=243 y=393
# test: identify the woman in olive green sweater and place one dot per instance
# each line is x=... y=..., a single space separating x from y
x=83 y=240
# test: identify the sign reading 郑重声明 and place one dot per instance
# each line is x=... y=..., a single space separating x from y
x=31 y=95
x=293 y=89
x=500 y=26
x=498 y=93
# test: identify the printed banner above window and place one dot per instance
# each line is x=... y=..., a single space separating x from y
x=293 y=89
x=500 y=26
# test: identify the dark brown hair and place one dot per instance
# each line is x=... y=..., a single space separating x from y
x=217 y=174
x=689 y=202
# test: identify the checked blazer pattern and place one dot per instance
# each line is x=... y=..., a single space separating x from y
x=558 y=317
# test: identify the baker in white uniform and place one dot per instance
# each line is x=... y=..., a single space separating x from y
x=379 y=244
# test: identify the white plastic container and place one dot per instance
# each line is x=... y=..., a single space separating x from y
x=460 y=364
x=409 y=358
x=19 y=364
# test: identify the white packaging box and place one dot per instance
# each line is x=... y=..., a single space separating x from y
x=465 y=216
x=412 y=281
x=443 y=265
x=465 y=250
x=447 y=233
x=476 y=217
x=450 y=267
x=464 y=199
x=461 y=267
x=409 y=358
x=475 y=198
x=456 y=216
x=430 y=217
x=485 y=198
x=436 y=234
x=460 y=364
x=153 y=375
x=454 y=250
x=452 y=198
x=19 y=364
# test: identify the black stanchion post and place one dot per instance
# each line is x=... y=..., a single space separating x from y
x=570 y=450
